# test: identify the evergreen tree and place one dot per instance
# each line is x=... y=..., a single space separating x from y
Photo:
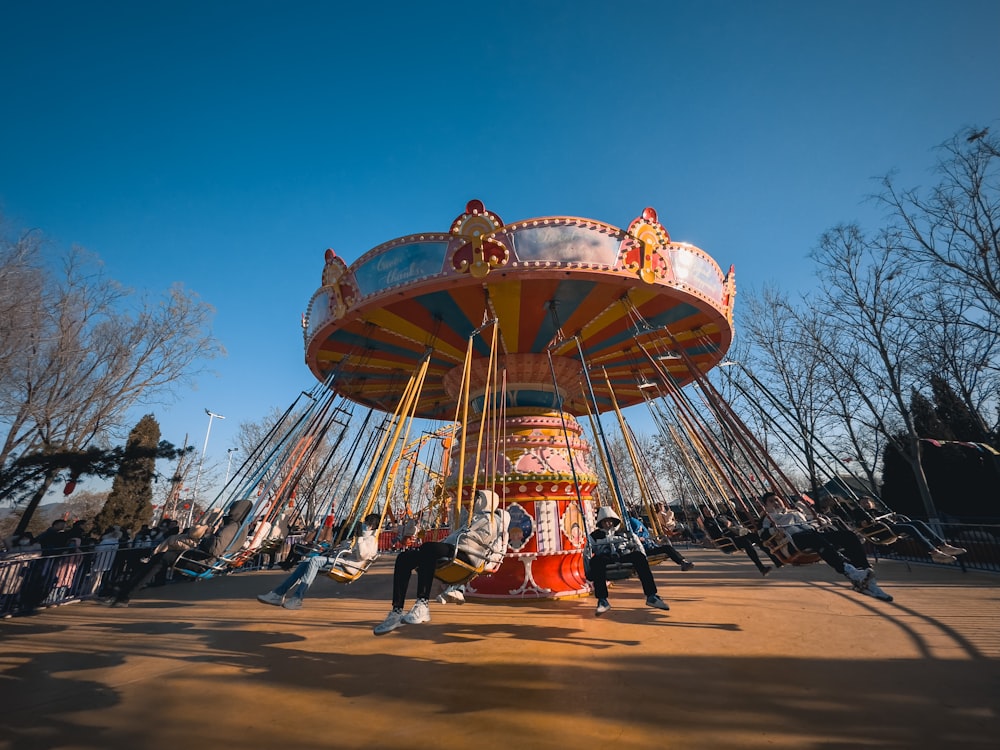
x=899 y=489
x=962 y=478
x=963 y=424
x=130 y=503
x=925 y=418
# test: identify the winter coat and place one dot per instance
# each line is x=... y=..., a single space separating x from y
x=233 y=532
x=613 y=542
x=365 y=548
x=483 y=540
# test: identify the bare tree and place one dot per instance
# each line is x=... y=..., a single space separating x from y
x=309 y=456
x=871 y=337
x=617 y=461
x=90 y=351
x=965 y=355
x=21 y=294
x=953 y=231
x=788 y=376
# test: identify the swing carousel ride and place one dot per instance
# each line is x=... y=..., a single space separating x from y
x=519 y=334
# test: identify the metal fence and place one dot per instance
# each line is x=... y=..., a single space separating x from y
x=981 y=540
x=30 y=582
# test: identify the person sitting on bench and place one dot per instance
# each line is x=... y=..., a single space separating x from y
x=482 y=538
x=350 y=558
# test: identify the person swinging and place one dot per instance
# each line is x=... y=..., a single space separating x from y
x=609 y=547
x=349 y=560
x=482 y=538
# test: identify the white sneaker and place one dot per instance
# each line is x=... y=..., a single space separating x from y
x=940 y=557
x=392 y=621
x=602 y=606
x=949 y=549
x=293 y=602
x=420 y=613
x=271 y=598
x=454 y=595
x=857 y=576
x=872 y=589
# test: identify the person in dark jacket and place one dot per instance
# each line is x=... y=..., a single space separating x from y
x=722 y=526
x=609 y=546
x=54 y=539
x=165 y=555
x=228 y=539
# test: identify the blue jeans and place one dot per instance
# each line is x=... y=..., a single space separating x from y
x=304 y=575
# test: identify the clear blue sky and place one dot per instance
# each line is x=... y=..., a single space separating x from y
x=226 y=145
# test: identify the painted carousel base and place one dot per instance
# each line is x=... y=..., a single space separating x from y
x=533 y=576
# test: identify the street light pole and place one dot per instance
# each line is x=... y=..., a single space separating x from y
x=229 y=465
x=201 y=464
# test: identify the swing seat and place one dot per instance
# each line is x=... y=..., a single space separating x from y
x=724 y=544
x=780 y=544
x=189 y=564
x=655 y=559
x=472 y=558
x=878 y=532
x=455 y=571
x=271 y=545
x=618 y=570
x=660 y=541
x=348 y=571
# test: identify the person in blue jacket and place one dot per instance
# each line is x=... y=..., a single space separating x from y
x=657 y=547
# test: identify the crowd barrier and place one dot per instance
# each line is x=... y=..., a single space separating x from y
x=30 y=581
x=981 y=540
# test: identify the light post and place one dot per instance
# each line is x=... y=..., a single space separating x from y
x=201 y=464
x=229 y=465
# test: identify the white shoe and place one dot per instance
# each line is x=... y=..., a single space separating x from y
x=857 y=576
x=656 y=602
x=602 y=606
x=872 y=589
x=451 y=595
x=948 y=549
x=420 y=613
x=271 y=598
x=940 y=557
x=293 y=602
x=392 y=621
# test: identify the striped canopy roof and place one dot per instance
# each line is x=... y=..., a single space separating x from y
x=633 y=303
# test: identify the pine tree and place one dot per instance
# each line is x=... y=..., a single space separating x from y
x=130 y=503
x=925 y=418
x=962 y=478
x=952 y=411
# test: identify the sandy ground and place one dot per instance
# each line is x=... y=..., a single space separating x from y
x=796 y=660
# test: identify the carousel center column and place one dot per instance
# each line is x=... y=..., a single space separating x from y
x=544 y=474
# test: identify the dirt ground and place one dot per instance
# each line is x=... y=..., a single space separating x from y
x=796 y=660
